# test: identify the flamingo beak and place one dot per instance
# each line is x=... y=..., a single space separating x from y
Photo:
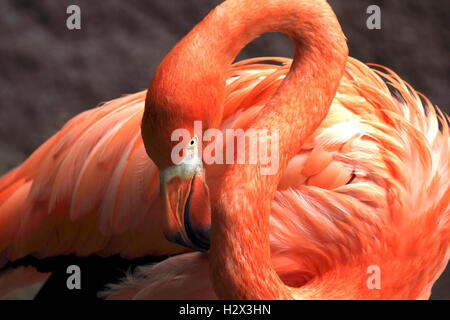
x=186 y=205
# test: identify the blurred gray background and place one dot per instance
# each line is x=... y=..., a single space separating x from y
x=48 y=73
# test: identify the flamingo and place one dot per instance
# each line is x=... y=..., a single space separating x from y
x=355 y=161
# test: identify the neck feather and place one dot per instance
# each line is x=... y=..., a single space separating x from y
x=189 y=85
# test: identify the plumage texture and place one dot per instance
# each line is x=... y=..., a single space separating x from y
x=90 y=189
x=370 y=187
x=383 y=144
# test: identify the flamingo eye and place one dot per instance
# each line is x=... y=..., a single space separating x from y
x=191 y=151
x=193 y=141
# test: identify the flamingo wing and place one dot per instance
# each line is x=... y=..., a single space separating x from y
x=89 y=189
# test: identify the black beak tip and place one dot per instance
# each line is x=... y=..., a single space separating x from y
x=199 y=237
x=203 y=243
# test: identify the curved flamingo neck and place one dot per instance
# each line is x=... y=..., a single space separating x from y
x=240 y=249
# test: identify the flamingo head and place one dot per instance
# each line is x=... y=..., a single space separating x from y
x=174 y=101
x=185 y=200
